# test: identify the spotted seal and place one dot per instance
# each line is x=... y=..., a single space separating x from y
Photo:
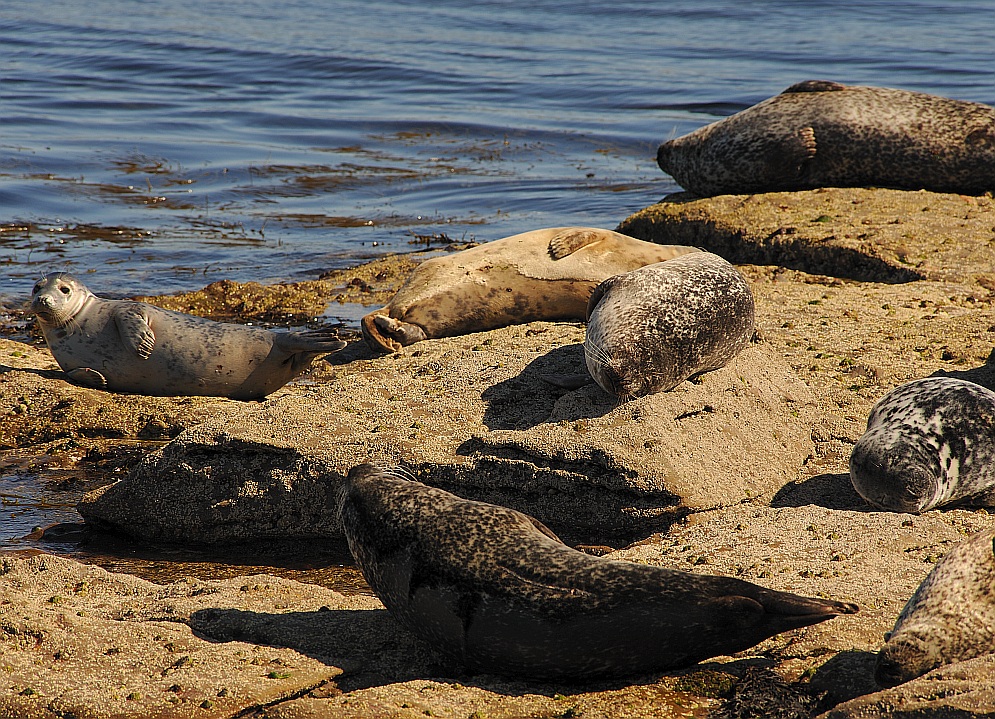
x=540 y=275
x=824 y=134
x=497 y=590
x=126 y=346
x=650 y=329
x=950 y=618
x=928 y=443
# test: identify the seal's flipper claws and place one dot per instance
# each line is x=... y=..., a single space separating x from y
x=87 y=377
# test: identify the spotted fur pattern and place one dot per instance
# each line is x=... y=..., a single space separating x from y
x=126 y=346
x=650 y=329
x=500 y=593
x=929 y=443
x=824 y=134
x=950 y=618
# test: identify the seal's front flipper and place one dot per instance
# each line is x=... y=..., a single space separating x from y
x=86 y=377
x=133 y=325
x=403 y=333
x=570 y=240
x=787 y=162
x=567 y=381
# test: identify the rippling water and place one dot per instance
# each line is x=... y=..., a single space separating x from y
x=156 y=147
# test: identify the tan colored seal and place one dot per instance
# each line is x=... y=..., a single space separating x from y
x=545 y=274
x=126 y=346
x=824 y=134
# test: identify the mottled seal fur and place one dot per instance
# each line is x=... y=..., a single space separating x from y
x=928 y=443
x=650 y=329
x=824 y=134
x=499 y=592
x=126 y=346
x=540 y=275
x=950 y=618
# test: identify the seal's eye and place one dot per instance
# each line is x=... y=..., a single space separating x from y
x=65 y=290
x=37 y=289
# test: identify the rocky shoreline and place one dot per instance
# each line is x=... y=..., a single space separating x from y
x=743 y=472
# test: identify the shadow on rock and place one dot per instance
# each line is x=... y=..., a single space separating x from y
x=530 y=398
x=367 y=644
x=983 y=375
x=846 y=676
x=832 y=491
x=44 y=373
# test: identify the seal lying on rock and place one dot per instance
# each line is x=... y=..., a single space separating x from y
x=928 y=443
x=498 y=591
x=650 y=329
x=127 y=346
x=824 y=134
x=950 y=618
x=540 y=275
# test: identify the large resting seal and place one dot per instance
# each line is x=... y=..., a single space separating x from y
x=540 y=275
x=824 y=134
x=950 y=618
x=928 y=443
x=498 y=591
x=126 y=346
x=650 y=329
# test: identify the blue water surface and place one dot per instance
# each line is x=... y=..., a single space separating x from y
x=156 y=147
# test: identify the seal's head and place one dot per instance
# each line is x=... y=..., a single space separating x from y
x=909 y=656
x=890 y=474
x=57 y=298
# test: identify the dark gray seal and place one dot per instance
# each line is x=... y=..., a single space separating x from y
x=498 y=591
x=126 y=346
x=544 y=274
x=929 y=443
x=824 y=134
x=650 y=329
x=950 y=618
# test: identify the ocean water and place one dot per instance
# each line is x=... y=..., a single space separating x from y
x=157 y=147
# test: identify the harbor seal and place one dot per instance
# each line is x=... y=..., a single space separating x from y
x=950 y=618
x=540 y=275
x=824 y=134
x=929 y=443
x=500 y=593
x=650 y=329
x=126 y=346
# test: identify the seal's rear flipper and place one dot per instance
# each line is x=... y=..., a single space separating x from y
x=316 y=341
x=403 y=333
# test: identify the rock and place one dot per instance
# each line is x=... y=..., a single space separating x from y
x=965 y=689
x=38 y=404
x=473 y=415
x=872 y=235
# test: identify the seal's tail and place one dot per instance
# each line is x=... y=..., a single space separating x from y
x=312 y=342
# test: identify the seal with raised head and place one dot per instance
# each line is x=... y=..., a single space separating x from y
x=929 y=443
x=500 y=593
x=127 y=346
x=824 y=134
x=540 y=275
x=950 y=618
x=650 y=329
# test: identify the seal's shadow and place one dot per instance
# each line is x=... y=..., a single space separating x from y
x=983 y=375
x=529 y=399
x=370 y=647
x=832 y=491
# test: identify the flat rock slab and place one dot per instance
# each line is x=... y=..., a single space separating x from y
x=474 y=415
x=819 y=539
x=855 y=233
x=39 y=405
